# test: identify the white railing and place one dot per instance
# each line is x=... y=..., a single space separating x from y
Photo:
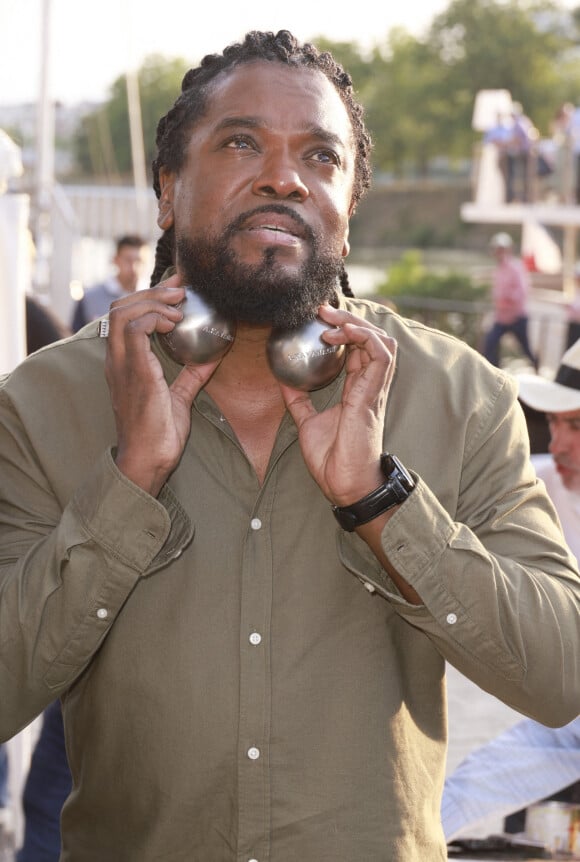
x=105 y=212
x=86 y=221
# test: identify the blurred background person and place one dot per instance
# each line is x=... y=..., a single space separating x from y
x=500 y=135
x=558 y=152
x=47 y=786
x=510 y=294
x=42 y=325
x=129 y=260
x=6 y=824
x=518 y=150
x=574 y=132
x=573 y=311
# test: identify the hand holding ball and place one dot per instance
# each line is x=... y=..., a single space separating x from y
x=201 y=336
x=298 y=357
x=302 y=359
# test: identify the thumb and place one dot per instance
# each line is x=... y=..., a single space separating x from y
x=191 y=379
x=174 y=280
x=298 y=404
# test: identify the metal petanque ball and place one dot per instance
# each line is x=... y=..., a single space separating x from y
x=301 y=359
x=201 y=336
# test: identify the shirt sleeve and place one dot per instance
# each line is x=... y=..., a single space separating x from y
x=500 y=588
x=526 y=763
x=65 y=575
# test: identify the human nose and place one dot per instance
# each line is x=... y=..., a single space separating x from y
x=279 y=177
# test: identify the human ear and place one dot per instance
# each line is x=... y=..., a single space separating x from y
x=165 y=203
x=346 y=244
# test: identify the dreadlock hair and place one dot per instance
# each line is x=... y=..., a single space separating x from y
x=174 y=128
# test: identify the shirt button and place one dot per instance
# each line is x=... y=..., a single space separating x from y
x=255 y=524
x=369 y=588
x=102 y=613
x=255 y=638
x=451 y=619
x=253 y=753
x=252 y=860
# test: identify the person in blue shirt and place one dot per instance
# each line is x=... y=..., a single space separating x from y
x=129 y=261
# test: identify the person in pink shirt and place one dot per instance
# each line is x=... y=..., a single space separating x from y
x=510 y=292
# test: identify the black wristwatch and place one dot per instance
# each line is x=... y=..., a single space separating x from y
x=395 y=490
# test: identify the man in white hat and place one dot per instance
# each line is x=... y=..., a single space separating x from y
x=530 y=762
x=510 y=293
x=560 y=401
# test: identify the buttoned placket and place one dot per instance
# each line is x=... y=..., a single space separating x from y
x=253 y=754
x=255 y=684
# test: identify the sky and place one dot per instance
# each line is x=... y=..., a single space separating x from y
x=92 y=43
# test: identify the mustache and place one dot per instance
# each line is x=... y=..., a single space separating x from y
x=278 y=209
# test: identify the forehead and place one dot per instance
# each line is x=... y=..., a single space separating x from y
x=293 y=97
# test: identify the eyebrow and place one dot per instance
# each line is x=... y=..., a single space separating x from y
x=251 y=122
x=557 y=417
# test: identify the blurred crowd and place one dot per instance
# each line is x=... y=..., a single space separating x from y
x=535 y=167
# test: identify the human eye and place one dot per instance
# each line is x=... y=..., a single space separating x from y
x=239 y=142
x=326 y=157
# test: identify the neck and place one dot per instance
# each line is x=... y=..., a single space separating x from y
x=245 y=365
x=248 y=395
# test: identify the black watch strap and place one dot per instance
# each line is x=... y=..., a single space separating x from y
x=397 y=487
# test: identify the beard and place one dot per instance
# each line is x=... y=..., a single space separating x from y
x=262 y=293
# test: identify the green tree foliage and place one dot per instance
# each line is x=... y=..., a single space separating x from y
x=360 y=67
x=516 y=45
x=103 y=143
x=419 y=92
x=407 y=106
x=391 y=82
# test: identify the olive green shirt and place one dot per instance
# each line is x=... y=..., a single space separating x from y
x=240 y=679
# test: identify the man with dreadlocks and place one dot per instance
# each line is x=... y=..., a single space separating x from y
x=244 y=603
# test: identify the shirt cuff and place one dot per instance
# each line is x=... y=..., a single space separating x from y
x=143 y=532
x=413 y=550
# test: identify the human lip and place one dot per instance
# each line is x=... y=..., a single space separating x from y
x=565 y=469
x=274 y=227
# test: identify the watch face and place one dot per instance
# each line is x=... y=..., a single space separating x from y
x=391 y=466
x=406 y=476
